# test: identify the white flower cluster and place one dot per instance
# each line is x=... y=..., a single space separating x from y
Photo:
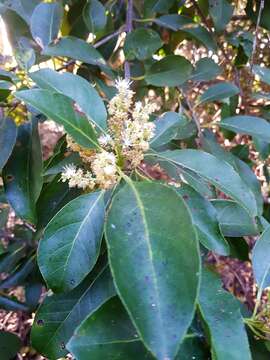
x=129 y=134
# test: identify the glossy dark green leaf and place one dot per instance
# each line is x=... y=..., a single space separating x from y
x=234 y=221
x=155 y=262
x=250 y=125
x=22 y=173
x=204 y=216
x=261 y=260
x=221 y=312
x=12 y=304
x=10 y=344
x=210 y=144
x=78 y=89
x=157 y=6
x=71 y=242
x=217 y=92
x=23 y=8
x=205 y=69
x=5 y=89
x=45 y=22
x=217 y=172
x=18 y=276
x=173 y=70
x=192 y=348
x=4 y=212
x=60 y=314
x=53 y=197
x=108 y=333
x=10 y=259
x=221 y=12
x=177 y=22
x=94 y=15
x=141 y=44
x=167 y=127
x=77 y=49
x=60 y=108
x=8 y=133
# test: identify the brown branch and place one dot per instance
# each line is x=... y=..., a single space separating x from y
x=254 y=47
x=128 y=30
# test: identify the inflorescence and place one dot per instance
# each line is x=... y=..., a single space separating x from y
x=120 y=149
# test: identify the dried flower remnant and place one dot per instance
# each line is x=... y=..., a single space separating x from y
x=129 y=133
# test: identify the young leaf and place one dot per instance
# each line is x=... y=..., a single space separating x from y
x=22 y=173
x=250 y=125
x=221 y=312
x=94 y=15
x=204 y=217
x=234 y=221
x=146 y=220
x=108 y=334
x=221 y=12
x=45 y=23
x=217 y=172
x=141 y=44
x=8 y=134
x=218 y=92
x=71 y=242
x=78 y=89
x=167 y=128
x=60 y=108
x=261 y=260
x=60 y=314
x=173 y=70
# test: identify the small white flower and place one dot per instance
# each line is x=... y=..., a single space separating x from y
x=105 y=139
x=122 y=85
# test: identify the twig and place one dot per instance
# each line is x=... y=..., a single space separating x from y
x=254 y=47
x=128 y=30
x=108 y=38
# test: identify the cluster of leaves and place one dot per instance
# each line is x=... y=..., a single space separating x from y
x=125 y=267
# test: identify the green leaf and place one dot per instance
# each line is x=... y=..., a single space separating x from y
x=221 y=312
x=186 y=25
x=173 y=70
x=77 y=49
x=261 y=260
x=45 y=23
x=10 y=345
x=60 y=108
x=12 y=304
x=23 y=8
x=250 y=125
x=70 y=246
x=154 y=258
x=234 y=221
x=94 y=16
x=167 y=127
x=8 y=134
x=78 y=89
x=205 y=69
x=217 y=172
x=210 y=144
x=5 y=89
x=204 y=216
x=53 y=197
x=217 y=92
x=9 y=260
x=60 y=314
x=141 y=44
x=22 y=173
x=18 y=276
x=108 y=334
x=221 y=12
